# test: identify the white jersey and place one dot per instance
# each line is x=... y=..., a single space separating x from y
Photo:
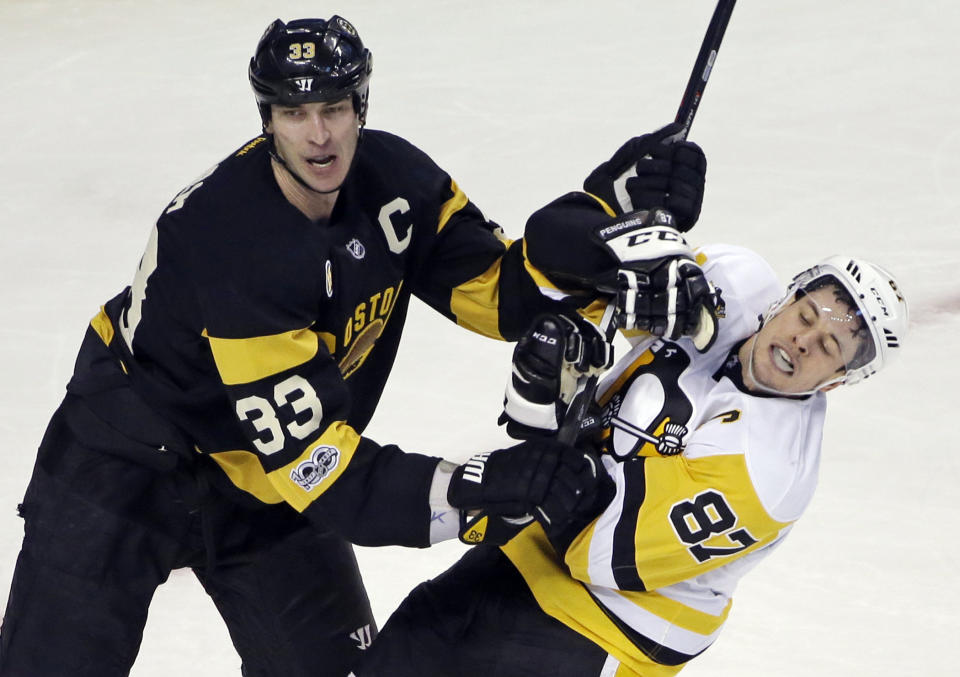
x=709 y=478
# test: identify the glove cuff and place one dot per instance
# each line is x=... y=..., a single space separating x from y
x=706 y=331
x=444 y=522
x=523 y=411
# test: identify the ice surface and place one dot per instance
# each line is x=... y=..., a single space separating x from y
x=830 y=127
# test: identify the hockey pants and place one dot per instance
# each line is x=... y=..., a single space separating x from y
x=102 y=532
x=479 y=619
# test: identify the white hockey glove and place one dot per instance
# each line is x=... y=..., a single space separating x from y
x=658 y=286
x=548 y=361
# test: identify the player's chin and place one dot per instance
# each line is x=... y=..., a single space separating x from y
x=793 y=385
x=325 y=182
x=772 y=378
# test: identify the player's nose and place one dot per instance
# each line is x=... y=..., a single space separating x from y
x=803 y=340
x=318 y=132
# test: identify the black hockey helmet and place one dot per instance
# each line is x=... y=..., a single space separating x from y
x=310 y=60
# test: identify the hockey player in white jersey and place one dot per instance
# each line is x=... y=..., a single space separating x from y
x=712 y=449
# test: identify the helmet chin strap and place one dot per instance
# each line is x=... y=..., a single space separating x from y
x=754 y=383
x=296 y=177
x=283 y=163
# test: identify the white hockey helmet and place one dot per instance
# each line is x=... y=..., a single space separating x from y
x=879 y=303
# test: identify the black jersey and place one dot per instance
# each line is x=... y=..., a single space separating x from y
x=267 y=338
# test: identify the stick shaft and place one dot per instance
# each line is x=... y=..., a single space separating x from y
x=689 y=104
x=703 y=66
x=577 y=411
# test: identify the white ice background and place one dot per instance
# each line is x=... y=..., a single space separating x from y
x=830 y=127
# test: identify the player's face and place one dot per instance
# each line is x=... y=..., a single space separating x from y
x=806 y=344
x=316 y=140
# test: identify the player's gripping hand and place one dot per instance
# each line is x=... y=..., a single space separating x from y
x=657 y=284
x=548 y=361
x=653 y=171
x=501 y=492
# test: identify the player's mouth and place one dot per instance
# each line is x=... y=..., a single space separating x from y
x=781 y=359
x=322 y=162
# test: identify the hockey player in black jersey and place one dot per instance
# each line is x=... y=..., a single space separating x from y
x=214 y=419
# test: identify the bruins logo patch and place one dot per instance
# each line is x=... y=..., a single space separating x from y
x=362 y=345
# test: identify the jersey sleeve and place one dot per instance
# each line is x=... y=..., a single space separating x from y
x=672 y=519
x=292 y=403
x=469 y=271
x=559 y=241
x=563 y=256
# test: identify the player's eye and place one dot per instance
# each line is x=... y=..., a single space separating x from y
x=832 y=347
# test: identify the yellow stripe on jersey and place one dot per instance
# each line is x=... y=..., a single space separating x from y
x=329 y=340
x=594 y=311
x=624 y=671
x=245 y=360
x=321 y=463
x=476 y=303
x=452 y=206
x=677 y=613
x=103 y=326
x=568 y=601
x=603 y=204
x=541 y=280
x=633 y=333
x=245 y=472
x=646 y=357
x=692 y=495
x=580 y=556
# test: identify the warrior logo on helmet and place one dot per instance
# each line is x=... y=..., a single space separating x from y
x=304 y=84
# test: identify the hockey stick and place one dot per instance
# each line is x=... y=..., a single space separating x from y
x=703 y=66
x=575 y=418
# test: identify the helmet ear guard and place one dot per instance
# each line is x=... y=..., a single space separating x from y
x=308 y=61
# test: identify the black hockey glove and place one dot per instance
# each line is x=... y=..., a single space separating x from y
x=548 y=361
x=657 y=284
x=563 y=532
x=653 y=171
x=538 y=479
